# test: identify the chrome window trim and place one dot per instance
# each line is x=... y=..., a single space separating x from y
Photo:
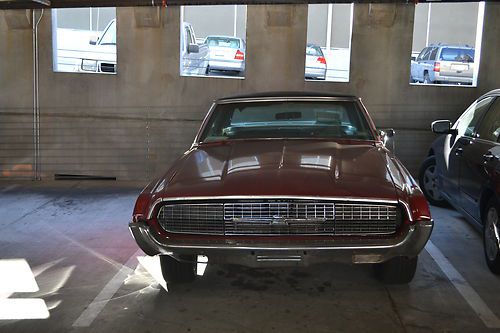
x=287 y=99
x=196 y=141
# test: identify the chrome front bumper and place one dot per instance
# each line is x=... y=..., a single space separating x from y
x=257 y=254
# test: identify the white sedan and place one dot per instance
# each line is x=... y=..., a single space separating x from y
x=315 y=63
x=226 y=54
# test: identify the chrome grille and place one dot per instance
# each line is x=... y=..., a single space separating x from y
x=280 y=217
x=354 y=219
x=267 y=211
x=192 y=218
x=108 y=68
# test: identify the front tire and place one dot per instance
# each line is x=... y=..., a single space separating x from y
x=176 y=272
x=427 y=179
x=491 y=236
x=399 y=270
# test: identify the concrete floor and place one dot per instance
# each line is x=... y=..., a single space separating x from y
x=74 y=236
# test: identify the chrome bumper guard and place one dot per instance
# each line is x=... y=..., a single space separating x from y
x=255 y=254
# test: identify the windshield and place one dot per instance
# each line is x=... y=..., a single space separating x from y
x=109 y=37
x=314 y=51
x=233 y=43
x=287 y=119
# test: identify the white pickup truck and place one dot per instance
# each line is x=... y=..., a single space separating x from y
x=76 y=54
x=101 y=54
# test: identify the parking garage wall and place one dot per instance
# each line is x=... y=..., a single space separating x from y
x=134 y=124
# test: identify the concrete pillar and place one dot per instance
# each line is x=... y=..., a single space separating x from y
x=276 y=47
x=489 y=70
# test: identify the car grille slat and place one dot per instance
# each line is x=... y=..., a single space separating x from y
x=108 y=67
x=280 y=217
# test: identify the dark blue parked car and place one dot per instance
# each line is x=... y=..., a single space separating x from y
x=463 y=169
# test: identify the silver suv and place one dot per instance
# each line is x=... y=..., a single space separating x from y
x=449 y=64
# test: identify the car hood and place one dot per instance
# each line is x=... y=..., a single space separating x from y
x=282 y=168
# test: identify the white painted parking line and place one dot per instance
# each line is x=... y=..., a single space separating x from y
x=109 y=290
x=467 y=292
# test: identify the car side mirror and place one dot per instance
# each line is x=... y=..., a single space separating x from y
x=387 y=132
x=193 y=48
x=442 y=127
x=93 y=40
x=386 y=135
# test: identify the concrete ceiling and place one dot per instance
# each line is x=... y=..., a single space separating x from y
x=27 y=4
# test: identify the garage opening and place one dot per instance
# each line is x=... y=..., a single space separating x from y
x=84 y=40
x=328 y=49
x=447 y=44
x=213 y=41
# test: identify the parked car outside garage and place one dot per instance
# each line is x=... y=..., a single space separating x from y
x=285 y=179
x=315 y=63
x=226 y=54
x=101 y=56
x=463 y=169
x=447 y=64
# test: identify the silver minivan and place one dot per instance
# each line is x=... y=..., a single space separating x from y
x=448 y=64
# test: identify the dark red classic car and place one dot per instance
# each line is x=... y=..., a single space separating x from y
x=285 y=179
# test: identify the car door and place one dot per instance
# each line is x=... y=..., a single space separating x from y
x=417 y=71
x=449 y=167
x=479 y=162
x=189 y=61
x=430 y=61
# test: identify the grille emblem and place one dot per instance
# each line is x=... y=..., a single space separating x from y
x=278 y=220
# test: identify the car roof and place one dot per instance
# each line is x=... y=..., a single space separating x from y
x=222 y=36
x=286 y=94
x=494 y=92
x=452 y=45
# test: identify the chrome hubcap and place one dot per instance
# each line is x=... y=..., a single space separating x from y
x=491 y=235
x=430 y=183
